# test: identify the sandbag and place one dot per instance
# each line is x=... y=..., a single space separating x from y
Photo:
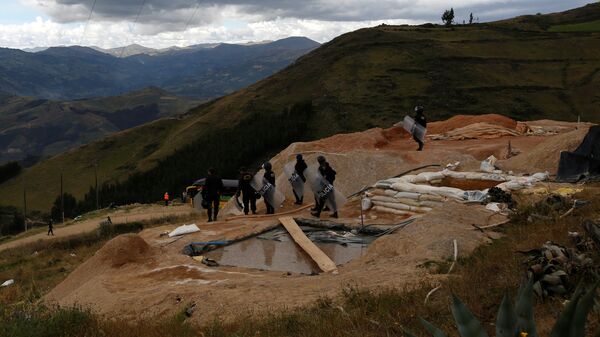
x=401 y=206
x=407 y=195
x=426 y=189
x=431 y=197
x=429 y=176
x=394 y=205
x=382 y=198
x=383 y=184
x=391 y=210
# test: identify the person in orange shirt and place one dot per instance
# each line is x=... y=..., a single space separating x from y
x=166 y=197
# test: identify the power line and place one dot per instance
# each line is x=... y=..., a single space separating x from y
x=87 y=22
x=133 y=26
x=189 y=21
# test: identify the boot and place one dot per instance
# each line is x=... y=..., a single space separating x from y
x=315 y=214
x=334 y=215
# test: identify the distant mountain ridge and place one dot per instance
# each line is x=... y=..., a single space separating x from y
x=200 y=71
x=136 y=49
x=368 y=78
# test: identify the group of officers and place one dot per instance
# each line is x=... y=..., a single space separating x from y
x=213 y=185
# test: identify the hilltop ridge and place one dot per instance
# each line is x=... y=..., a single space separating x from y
x=368 y=78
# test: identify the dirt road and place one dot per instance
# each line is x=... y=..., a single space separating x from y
x=120 y=215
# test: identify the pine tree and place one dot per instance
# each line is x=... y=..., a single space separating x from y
x=448 y=17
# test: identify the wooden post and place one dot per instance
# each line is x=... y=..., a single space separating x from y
x=62 y=199
x=25 y=207
x=322 y=260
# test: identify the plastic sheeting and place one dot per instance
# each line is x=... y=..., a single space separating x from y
x=584 y=162
x=7 y=283
x=185 y=229
x=294 y=179
x=267 y=190
x=323 y=190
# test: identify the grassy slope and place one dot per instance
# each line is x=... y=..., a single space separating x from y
x=45 y=128
x=479 y=280
x=371 y=77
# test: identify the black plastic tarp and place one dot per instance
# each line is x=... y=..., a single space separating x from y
x=584 y=162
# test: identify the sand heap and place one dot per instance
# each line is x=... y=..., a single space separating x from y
x=362 y=158
x=133 y=275
x=116 y=253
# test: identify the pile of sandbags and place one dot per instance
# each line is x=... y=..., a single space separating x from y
x=413 y=194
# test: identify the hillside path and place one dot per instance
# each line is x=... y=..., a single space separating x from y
x=138 y=213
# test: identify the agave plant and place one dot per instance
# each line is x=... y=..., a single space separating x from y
x=517 y=320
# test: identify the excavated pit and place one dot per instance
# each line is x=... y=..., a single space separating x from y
x=275 y=250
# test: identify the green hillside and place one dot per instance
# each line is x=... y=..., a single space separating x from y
x=32 y=128
x=370 y=77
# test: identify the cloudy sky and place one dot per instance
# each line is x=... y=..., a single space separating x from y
x=163 y=23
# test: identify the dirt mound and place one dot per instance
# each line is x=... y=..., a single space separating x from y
x=127 y=248
x=118 y=252
x=369 y=139
x=546 y=155
x=476 y=131
x=463 y=120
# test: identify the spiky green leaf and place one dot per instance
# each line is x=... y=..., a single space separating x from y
x=562 y=326
x=435 y=332
x=467 y=324
x=506 y=322
x=524 y=310
x=582 y=309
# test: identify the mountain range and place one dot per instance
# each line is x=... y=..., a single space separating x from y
x=530 y=67
x=201 y=71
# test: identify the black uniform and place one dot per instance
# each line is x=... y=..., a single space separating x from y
x=211 y=192
x=50 y=227
x=329 y=174
x=247 y=191
x=300 y=167
x=420 y=119
x=270 y=177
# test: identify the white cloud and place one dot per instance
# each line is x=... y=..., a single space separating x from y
x=110 y=34
x=163 y=23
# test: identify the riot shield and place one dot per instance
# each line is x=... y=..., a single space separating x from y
x=414 y=129
x=268 y=191
x=323 y=190
x=294 y=179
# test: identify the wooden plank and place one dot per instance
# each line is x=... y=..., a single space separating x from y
x=322 y=260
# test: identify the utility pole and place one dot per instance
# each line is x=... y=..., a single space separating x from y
x=62 y=199
x=25 y=206
x=96 y=179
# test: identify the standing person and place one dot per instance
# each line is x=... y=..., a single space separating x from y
x=299 y=168
x=50 y=227
x=213 y=187
x=328 y=173
x=248 y=193
x=422 y=121
x=166 y=198
x=269 y=176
